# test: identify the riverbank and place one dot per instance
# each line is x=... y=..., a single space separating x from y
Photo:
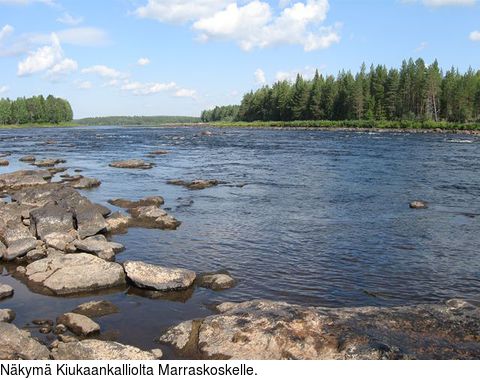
x=358 y=125
x=39 y=125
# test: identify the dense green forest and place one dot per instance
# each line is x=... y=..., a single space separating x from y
x=36 y=109
x=137 y=120
x=415 y=92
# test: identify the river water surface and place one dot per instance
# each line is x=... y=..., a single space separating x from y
x=309 y=217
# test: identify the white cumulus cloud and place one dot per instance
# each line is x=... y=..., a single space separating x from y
x=138 y=88
x=260 y=77
x=475 y=35
x=84 y=85
x=5 y=32
x=307 y=72
x=143 y=61
x=179 y=11
x=68 y=19
x=185 y=93
x=27 y=2
x=104 y=71
x=49 y=57
x=252 y=24
x=4 y=89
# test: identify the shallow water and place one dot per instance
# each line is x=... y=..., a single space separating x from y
x=323 y=218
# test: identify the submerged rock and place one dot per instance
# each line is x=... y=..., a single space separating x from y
x=7 y=315
x=198 y=184
x=131 y=164
x=276 y=330
x=418 y=204
x=27 y=159
x=95 y=309
x=5 y=291
x=75 y=273
x=159 y=152
x=92 y=349
x=127 y=204
x=17 y=344
x=78 y=324
x=155 y=277
x=216 y=281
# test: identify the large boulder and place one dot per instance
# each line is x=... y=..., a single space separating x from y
x=155 y=277
x=20 y=248
x=276 y=330
x=17 y=344
x=131 y=164
x=49 y=219
x=92 y=349
x=78 y=324
x=74 y=273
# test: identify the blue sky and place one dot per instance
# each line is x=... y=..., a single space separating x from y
x=177 y=57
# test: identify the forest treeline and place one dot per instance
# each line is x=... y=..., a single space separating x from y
x=416 y=91
x=36 y=109
x=137 y=120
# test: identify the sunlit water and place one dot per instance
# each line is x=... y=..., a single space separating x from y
x=323 y=218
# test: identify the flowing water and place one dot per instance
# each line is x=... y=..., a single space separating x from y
x=308 y=217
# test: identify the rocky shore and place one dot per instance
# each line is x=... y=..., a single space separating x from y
x=61 y=244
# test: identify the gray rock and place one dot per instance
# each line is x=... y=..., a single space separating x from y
x=5 y=291
x=36 y=254
x=153 y=217
x=99 y=246
x=50 y=219
x=96 y=309
x=148 y=201
x=86 y=183
x=17 y=344
x=27 y=159
x=155 y=277
x=20 y=248
x=92 y=349
x=418 y=204
x=216 y=281
x=60 y=240
x=79 y=324
x=7 y=315
x=277 y=330
x=75 y=273
x=89 y=221
x=131 y=164
x=117 y=222
x=23 y=178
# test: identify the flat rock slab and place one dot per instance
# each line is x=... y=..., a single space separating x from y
x=80 y=325
x=96 y=309
x=7 y=315
x=23 y=178
x=127 y=204
x=75 y=273
x=131 y=164
x=92 y=349
x=99 y=246
x=5 y=291
x=276 y=330
x=155 y=277
x=17 y=344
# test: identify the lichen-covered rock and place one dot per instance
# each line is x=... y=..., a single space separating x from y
x=92 y=349
x=17 y=344
x=74 y=273
x=96 y=309
x=50 y=219
x=131 y=164
x=78 y=324
x=59 y=240
x=155 y=277
x=277 y=330
x=7 y=315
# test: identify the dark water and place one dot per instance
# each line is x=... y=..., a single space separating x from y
x=323 y=218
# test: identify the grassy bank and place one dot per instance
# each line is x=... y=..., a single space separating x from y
x=39 y=125
x=357 y=124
